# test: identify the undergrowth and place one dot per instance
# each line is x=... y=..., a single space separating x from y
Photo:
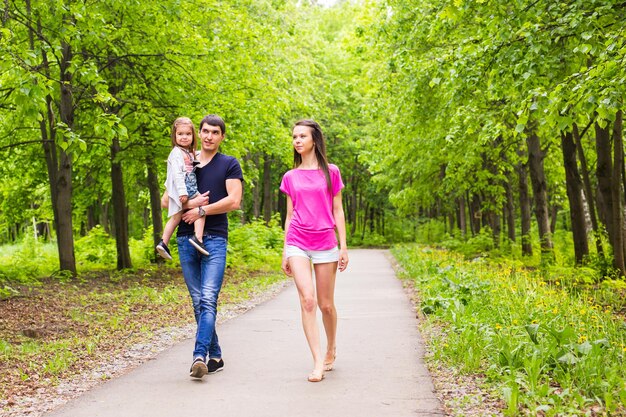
x=552 y=344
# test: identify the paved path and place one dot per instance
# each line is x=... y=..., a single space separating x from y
x=379 y=371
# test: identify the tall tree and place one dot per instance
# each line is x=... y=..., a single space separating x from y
x=574 y=195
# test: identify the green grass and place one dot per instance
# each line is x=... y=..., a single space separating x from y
x=76 y=323
x=86 y=322
x=543 y=341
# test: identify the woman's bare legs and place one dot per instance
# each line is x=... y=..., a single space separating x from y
x=325 y=275
x=302 y=275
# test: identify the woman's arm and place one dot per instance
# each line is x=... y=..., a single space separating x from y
x=340 y=225
x=285 y=264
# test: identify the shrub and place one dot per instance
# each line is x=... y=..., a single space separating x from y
x=256 y=245
x=96 y=250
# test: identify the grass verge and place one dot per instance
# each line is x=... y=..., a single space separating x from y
x=548 y=347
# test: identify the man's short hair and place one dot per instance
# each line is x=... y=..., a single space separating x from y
x=214 y=120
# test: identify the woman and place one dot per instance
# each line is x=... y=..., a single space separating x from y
x=314 y=212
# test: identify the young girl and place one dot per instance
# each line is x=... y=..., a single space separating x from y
x=314 y=213
x=181 y=184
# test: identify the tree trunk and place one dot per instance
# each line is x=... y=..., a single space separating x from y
x=105 y=220
x=364 y=224
x=475 y=213
x=509 y=211
x=554 y=216
x=496 y=228
x=353 y=199
x=588 y=189
x=574 y=195
x=256 y=191
x=120 y=213
x=470 y=213
x=58 y=162
x=540 y=195
x=92 y=217
x=462 y=217
x=524 y=203
x=267 y=188
x=604 y=169
x=65 y=233
x=619 y=252
x=155 y=205
x=451 y=221
x=282 y=207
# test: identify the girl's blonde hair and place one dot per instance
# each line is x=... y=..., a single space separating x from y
x=194 y=138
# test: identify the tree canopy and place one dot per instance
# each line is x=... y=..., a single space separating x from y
x=485 y=115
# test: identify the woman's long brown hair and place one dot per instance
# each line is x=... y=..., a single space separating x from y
x=320 y=149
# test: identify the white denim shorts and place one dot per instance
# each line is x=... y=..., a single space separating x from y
x=316 y=256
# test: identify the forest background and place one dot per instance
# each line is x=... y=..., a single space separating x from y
x=464 y=116
x=492 y=128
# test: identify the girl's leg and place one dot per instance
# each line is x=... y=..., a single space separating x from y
x=170 y=226
x=301 y=268
x=198 y=228
x=325 y=275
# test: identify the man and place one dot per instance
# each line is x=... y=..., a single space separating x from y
x=222 y=177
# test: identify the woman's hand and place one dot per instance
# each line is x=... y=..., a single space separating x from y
x=285 y=267
x=183 y=199
x=343 y=259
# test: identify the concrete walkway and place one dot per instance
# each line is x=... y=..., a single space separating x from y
x=378 y=372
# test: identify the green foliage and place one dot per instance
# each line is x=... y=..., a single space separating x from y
x=96 y=249
x=431 y=231
x=142 y=250
x=547 y=345
x=466 y=85
x=24 y=263
x=255 y=246
x=372 y=239
x=479 y=245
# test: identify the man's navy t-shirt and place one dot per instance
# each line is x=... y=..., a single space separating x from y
x=212 y=177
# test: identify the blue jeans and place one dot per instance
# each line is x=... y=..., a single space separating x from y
x=203 y=276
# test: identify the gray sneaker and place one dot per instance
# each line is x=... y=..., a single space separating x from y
x=198 y=245
x=198 y=368
x=163 y=250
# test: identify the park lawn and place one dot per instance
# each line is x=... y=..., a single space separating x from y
x=58 y=330
x=546 y=345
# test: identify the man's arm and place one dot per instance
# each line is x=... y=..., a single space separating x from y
x=234 y=188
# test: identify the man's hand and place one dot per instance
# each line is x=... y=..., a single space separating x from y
x=192 y=214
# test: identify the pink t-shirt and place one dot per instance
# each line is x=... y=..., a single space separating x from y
x=312 y=226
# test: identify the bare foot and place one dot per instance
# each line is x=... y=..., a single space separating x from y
x=329 y=362
x=316 y=376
